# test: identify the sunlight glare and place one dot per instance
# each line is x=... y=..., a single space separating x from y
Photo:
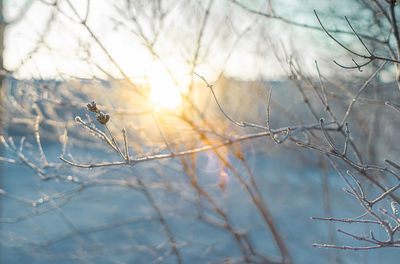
x=164 y=92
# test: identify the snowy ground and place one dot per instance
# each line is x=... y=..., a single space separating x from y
x=115 y=224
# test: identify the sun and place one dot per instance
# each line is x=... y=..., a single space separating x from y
x=165 y=92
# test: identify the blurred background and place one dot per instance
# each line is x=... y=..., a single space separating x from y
x=207 y=101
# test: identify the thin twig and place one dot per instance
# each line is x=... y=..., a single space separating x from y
x=276 y=140
x=210 y=86
x=126 y=144
x=362 y=88
x=327 y=136
x=349 y=221
x=347 y=137
x=37 y=135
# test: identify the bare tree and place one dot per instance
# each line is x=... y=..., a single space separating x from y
x=116 y=142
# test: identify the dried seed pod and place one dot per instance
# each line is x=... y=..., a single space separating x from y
x=92 y=107
x=103 y=118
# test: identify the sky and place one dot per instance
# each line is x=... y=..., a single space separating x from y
x=50 y=43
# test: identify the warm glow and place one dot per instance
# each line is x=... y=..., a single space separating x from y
x=165 y=93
